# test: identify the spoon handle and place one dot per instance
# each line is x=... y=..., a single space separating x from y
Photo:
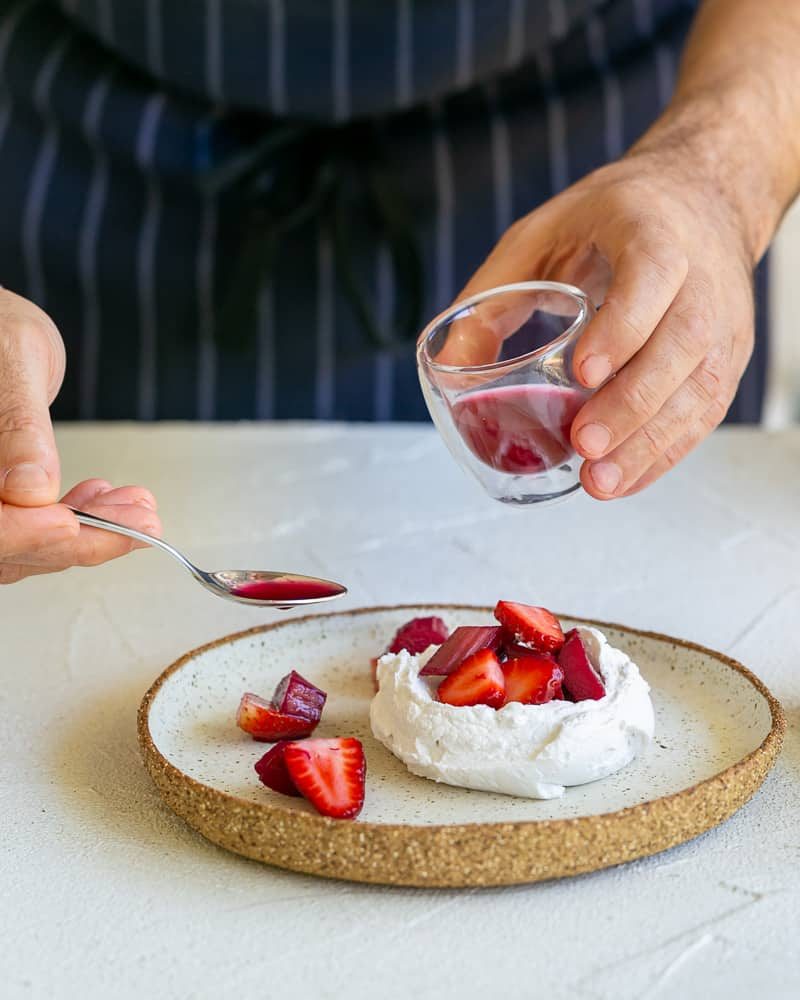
x=93 y=521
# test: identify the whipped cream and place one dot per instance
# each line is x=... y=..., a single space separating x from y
x=530 y=750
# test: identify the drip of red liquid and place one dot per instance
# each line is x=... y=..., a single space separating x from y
x=286 y=588
x=519 y=428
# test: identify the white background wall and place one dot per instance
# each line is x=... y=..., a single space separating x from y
x=783 y=398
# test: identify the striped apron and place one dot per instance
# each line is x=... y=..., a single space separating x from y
x=114 y=114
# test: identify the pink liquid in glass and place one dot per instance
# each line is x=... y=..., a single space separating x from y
x=519 y=429
x=286 y=589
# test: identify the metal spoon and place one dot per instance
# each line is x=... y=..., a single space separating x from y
x=274 y=590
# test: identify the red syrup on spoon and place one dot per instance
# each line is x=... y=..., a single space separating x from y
x=519 y=429
x=287 y=588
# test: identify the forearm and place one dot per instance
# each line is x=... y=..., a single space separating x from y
x=734 y=120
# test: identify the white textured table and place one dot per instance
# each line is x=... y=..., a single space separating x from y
x=105 y=893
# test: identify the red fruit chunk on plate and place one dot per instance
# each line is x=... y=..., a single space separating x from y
x=537 y=627
x=581 y=681
x=295 y=695
x=463 y=643
x=331 y=774
x=418 y=634
x=258 y=718
x=478 y=681
x=272 y=770
x=415 y=636
x=533 y=679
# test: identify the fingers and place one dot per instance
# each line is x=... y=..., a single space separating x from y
x=648 y=274
x=31 y=368
x=679 y=450
x=34 y=531
x=129 y=505
x=697 y=407
x=637 y=394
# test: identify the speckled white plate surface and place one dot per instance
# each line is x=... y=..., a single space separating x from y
x=712 y=718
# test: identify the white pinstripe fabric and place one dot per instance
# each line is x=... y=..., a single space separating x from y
x=326 y=319
x=384 y=362
x=516 y=32
x=214 y=48
x=558 y=19
x=146 y=257
x=205 y=268
x=643 y=17
x=8 y=25
x=404 y=53
x=106 y=20
x=87 y=249
x=501 y=164
x=265 y=365
x=665 y=73
x=277 y=56
x=445 y=212
x=465 y=43
x=155 y=41
x=41 y=176
x=556 y=125
x=341 y=60
x=612 y=95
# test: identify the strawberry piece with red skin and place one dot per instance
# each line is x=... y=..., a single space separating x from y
x=463 y=643
x=294 y=695
x=258 y=718
x=331 y=774
x=533 y=679
x=581 y=681
x=478 y=681
x=415 y=636
x=535 y=627
x=272 y=770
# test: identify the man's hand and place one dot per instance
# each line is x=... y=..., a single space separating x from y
x=37 y=533
x=669 y=262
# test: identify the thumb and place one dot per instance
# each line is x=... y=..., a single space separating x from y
x=29 y=465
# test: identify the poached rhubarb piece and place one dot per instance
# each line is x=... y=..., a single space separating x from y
x=477 y=681
x=532 y=679
x=294 y=695
x=331 y=774
x=260 y=719
x=415 y=636
x=272 y=771
x=463 y=643
x=581 y=681
x=535 y=627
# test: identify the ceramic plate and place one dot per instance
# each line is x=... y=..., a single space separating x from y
x=718 y=731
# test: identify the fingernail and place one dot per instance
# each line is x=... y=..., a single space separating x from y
x=594 y=439
x=595 y=369
x=26 y=478
x=606 y=475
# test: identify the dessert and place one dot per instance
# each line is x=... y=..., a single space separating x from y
x=293 y=712
x=529 y=715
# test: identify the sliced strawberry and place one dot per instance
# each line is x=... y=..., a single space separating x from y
x=272 y=770
x=478 y=681
x=462 y=644
x=331 y=774
x=294 y=695
x=581 y=681
x=533 y=679
x=537 y=627
x=258 y=718
x=415 y=636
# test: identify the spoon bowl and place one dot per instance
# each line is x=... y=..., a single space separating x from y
x=247 y=586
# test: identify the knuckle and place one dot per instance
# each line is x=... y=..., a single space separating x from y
x=626 y=317
x=16 y=418
x=655 y=437
x=638 y=397
x=694 y=331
